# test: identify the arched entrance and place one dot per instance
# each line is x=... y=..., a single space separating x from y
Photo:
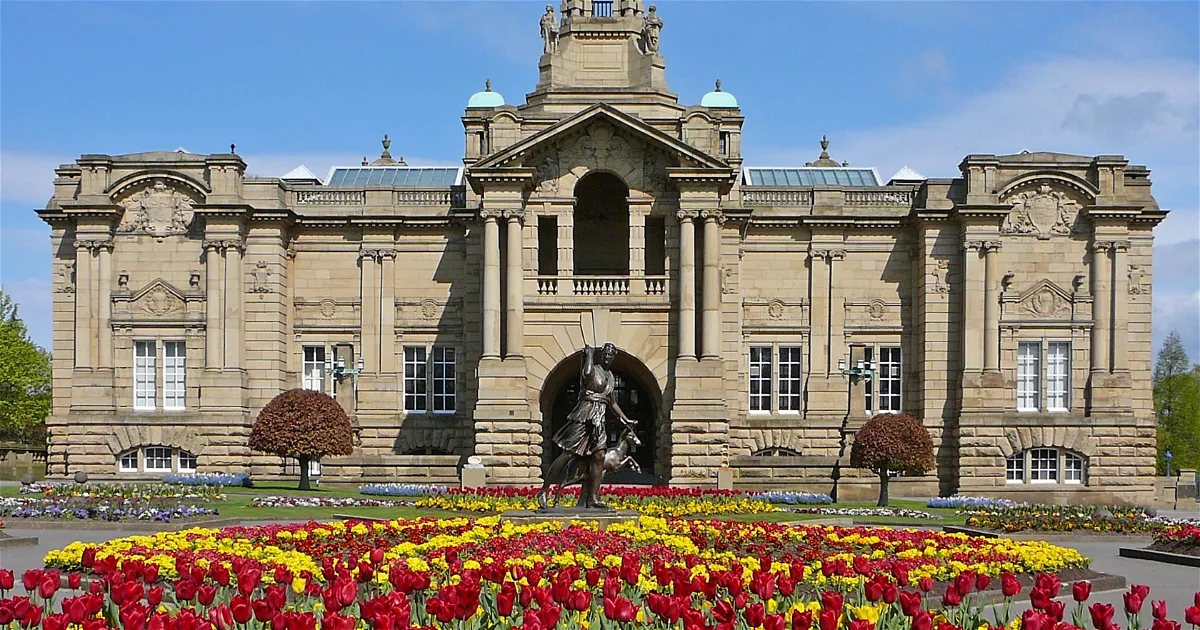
x=637 y=394
x=601 y=225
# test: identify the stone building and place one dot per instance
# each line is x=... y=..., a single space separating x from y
x=1007 y=307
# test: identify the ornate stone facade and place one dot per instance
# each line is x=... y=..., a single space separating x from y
x=1008 y=307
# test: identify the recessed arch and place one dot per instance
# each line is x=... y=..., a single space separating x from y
x=1067 y=180
x=601 y=225
x=194 y=187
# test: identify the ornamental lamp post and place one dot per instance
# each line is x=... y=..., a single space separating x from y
x=1168 y=456
x=860 y=370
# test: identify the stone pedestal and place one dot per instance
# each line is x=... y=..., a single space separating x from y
x=474 y=476
x=602 y=518
x=507 y=439
x=699 y=423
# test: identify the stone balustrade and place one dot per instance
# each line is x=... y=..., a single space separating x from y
x=776 y=197
x=331 y=197
x=601 y=286
x=878 y=198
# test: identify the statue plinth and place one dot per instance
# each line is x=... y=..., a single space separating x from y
x=603 y=518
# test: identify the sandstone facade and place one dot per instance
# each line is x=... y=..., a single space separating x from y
x=1008 y=307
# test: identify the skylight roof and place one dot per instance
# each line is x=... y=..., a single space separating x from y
x=394 y=176
x=811 y=176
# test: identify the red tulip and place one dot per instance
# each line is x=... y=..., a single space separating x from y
x=801 y=620
x=31 y=579
x=873 y=591
x=1048 y=582
x=1158 y=609
x=222 y=617
x=774 y=621
x=910 y=603
x=1009 y=585
x=74 y=580
x=6 y=613
x=861 y=624
x=1035 y=620
x=926 y=584
x=48 y=587
x=891 y=593
x=963 y=583
x=922 y=620
x=1102 y=615
x=150 y=573
x=1039 y=598
x=1081 y=591
x=862 y=566
x=900 y=573
x=829 y=619
x=6 y=579
x=832 y=600
x=755 y=613
x=1133 y=603
x=1191 y=615
x=723 y=612
x=205 y=594
x=1055 y=609
x=951 y=596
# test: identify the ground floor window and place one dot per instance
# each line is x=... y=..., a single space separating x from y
x=776 y=379
x=1045 y=465
x=156 y=459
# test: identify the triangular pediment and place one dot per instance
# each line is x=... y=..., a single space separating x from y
x=624 y=123
x=158 y=298
x=1045 y=299
x=1044 y=285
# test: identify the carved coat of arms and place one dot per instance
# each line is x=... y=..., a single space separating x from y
x=1041 y=212
x=1046 y=303
x=158 y=210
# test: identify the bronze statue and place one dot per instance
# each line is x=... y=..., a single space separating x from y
x=583 y=438
x=615 y=458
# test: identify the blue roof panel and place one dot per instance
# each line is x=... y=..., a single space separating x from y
x=812 y=176
x=394 y=176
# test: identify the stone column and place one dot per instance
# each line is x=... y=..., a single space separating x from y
x=637 y=246
x=819 y=312
x=687 y=283
x=233 y=303
x=104 y=301
x=387 y=312
x=973 y=304
x=1102 y=305
x=711 y=331
x=991 y=308
x=515 y=278
x=1120 y=302
x=369 y=314
x=837 y=309
x=84 y=296
x=214 y=353
x=491 y=284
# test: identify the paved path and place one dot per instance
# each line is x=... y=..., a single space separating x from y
x=1173 y=583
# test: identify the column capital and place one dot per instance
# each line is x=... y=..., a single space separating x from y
x=1121 y=245
x=387 y=253
x=1102 y=247
x=974 y=246
x=713 y=215
x=94 y=246
x=490 y=214
x=517 y=216
x=992 y=246
x=222 y=245
x=837 y=254
x=687 y=215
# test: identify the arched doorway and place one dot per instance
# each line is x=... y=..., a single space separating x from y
x=601 y=225
x=637 y=394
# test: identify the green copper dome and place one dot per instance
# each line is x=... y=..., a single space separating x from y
x=717 y=98
x=486 y=98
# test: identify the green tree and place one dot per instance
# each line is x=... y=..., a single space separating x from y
x=303 y=424
x=1177 y=405
x=24 y=378
x=892 y=443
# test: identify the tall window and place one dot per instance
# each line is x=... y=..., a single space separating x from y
x=723 y=143
x=1058 y=376
x=414 y=380
x=1043 y=465
x=144 y=375
x=314 y=368
x=1029 y=361
x=174 y=374
x=129 y=462
x=869 y=382
x=1072 y=468
x=443 y=379
x=790 y=379
x=760 y=378
x=883 y=388
x=1015 y=468
x=187 y=462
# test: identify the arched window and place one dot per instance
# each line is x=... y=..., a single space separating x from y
x=776 y=451
x=1046 y=465
x=426 y=450
x=154 y=459
x=601 y=226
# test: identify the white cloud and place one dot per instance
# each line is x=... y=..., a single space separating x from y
x=33 y=298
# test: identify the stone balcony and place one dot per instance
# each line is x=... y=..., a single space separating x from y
x=646 y=289
x=806 y=198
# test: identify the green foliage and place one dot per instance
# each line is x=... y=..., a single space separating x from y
x=1177 y=405
x=1172 y=358
x=302 y=423
x=24 y=379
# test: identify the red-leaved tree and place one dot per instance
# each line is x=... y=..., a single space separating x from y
x=890 y=443
x=304 y=424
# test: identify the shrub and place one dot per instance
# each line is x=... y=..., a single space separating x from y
x=892 y=443
x=303 y=424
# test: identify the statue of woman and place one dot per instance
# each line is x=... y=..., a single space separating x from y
x=549 y=31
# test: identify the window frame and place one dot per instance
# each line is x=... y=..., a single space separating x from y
x=145 y=374
x=1035 y=471
x=179 y=458
x=1068 y=470
x=435 y=381
x=1025 y=375
x=147 y=458
x=1020 y=461
x=305 y=378
x=137 y=461
x=873 y=384
x=757 y=398
x=419 y=379
x=796 y=360
x=179 y=382
x=1064 y=378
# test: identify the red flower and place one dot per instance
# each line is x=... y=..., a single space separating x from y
x=861 y=624
x=1191 y=615
x=891 y=593
x=1165 y=624
x=803 y=620
x=1055 y=609
x=910 y=603
x=723 y=612
x=1102 y=615
x=1133 y=603
x=73 y=580
x=1039 y=598
x=755 y=613
x=982 y=581
x=621 y=609
x=774 y=621
x=1048 y=582
x=1035 y=620
x=829 y=619
x=951 y=597
x=922 y=620
x=963 y=583
x=862 y=566
x=874 y=591
x=205 y=594
x=1009 y=585
x=1158 y=609
x=832 y=600
x=221 y=616
x=6 y=579
x=1141 y=590
x=926 y=584
x=48 y=587
x=1081 y=590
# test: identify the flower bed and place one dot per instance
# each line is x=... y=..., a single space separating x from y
x=238 y=479
x=468 y=574
x=133 y=491
x=650 y=501
x=1183 y=539
x=1049 y=518
x=959 y=501
x=99 y=509
x=792 y=498
x=867 y=512
x=401 y=489
x=307 y=502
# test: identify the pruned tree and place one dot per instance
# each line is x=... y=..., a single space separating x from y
x=892 y=443
x=24 y=379
x=303 y=424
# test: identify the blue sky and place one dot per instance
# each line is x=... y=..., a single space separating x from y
x=891 y=84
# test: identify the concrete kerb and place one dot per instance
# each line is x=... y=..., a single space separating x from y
x=80 y=525
x=1159 y=556
x=1052 y=537
x=10 y=542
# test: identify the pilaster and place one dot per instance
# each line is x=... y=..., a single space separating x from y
x=687 y=283
x=514 y=275
x=711 y=331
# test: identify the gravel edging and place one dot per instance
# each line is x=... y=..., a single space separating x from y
x=1054 y=537
x=1159 y=556
x=82 y=525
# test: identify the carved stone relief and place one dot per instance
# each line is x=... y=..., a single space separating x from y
x=328 y=308
x=1043 y=212
x=66 y=271
x=548 y=173
x=157 y=209
x=1137 y=283
x=775 y=309
x=159 y=302
x=876 y=309
x=1045 y=303
x=429 y=309
x=941 y=276
x=600 y=148
x=259 y=278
